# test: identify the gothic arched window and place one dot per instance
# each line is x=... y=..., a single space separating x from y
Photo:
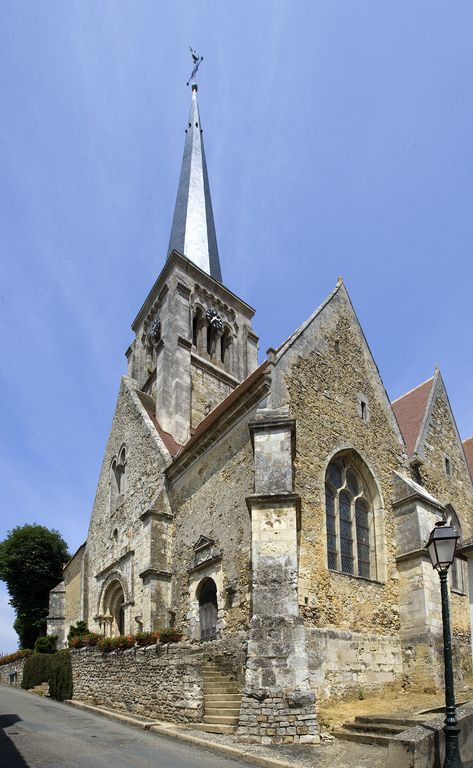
x=118 y=479
x=457 y=581
x=349 y=520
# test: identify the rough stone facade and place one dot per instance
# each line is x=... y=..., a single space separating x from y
x=11 y=672
x=282 y=506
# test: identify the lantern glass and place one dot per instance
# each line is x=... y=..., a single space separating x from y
x=441 y=546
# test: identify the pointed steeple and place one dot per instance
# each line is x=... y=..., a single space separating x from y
x=193 y=227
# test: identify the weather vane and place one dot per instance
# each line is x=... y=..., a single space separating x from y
x=197 y=61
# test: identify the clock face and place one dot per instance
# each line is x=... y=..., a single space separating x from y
x=214 y=319
x=155 y=330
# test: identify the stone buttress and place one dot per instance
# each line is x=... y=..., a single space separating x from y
x=278 y=705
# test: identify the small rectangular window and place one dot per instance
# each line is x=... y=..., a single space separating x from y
x=448 y=467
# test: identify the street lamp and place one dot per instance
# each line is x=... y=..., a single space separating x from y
x=441 y=548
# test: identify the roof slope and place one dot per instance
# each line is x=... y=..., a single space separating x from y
x=468 y=448
x=410 y=411
x=150 y=407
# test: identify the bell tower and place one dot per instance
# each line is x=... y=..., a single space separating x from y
x=194 y=341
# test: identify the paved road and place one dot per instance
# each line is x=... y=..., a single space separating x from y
x=37 y=732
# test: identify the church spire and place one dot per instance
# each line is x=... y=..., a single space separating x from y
x=193 y=227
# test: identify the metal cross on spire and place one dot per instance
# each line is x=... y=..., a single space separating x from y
x=197 y=61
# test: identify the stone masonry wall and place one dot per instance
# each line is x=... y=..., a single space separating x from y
x=325 y=374
x=209 y=500
x=350 y=664
x=441 y=440
x=207 y=392
x=118 y=541
x=159 y=681
x=12 y=666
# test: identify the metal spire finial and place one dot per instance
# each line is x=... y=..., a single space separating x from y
x=197 y=62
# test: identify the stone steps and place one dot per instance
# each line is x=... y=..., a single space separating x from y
x=214 y=728
x=222 y=711
x=40 y=690
x=221 y=698
x=375 y=730
x=222 y=701
x=221 y=719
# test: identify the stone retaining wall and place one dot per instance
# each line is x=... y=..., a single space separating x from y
x=6 y=671
x=161 y=681
x=344 y=663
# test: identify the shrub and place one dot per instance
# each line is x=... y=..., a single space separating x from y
x=120 y=642
x=47 y=644
x=78 y=630
x=60 y=676
x=36 y=670
x=83 y=641
x=146 y=638
x=15 y=656
x=105 y=644
x=170 y=635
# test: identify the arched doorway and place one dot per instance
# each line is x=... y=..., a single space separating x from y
x=114 y=608
x=208 y=609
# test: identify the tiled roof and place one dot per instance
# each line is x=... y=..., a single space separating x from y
x=468 y=448
x=166 y=437
x=409 y=411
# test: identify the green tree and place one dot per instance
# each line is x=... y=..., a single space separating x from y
x=32 y=558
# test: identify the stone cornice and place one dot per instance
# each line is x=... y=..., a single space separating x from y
x=272 y=500
x=158 y=515
x=178 y=260
x=158 y=574
x=206 y=365
x=205 y=564
x=418 y=497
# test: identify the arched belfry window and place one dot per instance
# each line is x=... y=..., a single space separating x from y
x=457 y=581
x=225 y=341
x=350 y=518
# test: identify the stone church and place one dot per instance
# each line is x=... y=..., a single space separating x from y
x=280 y=508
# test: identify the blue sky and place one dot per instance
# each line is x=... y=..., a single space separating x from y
x=339 y=142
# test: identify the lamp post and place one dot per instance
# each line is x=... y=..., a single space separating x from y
x=441 y=548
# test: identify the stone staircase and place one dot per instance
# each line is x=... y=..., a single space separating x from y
x=41 y=690
x=222 y=700
x=374 y=729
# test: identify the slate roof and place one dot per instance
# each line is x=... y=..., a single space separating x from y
x=193 y=227
x=409 y=411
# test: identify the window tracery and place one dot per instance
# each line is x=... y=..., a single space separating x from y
x=349 y=520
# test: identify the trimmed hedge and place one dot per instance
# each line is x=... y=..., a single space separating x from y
x=36 y=670
x=46 y=644
x=60 y=676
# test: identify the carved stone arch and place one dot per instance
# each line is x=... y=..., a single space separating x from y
x=206 y=594
x=114 y=576
x=226 y=341
x=198 y=322
x=349 y=458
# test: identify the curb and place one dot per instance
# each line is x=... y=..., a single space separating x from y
x=177 y=732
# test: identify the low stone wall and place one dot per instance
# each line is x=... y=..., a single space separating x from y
x=8 y=670
x=344 y=663
x=424 y=745
x=162 y=681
